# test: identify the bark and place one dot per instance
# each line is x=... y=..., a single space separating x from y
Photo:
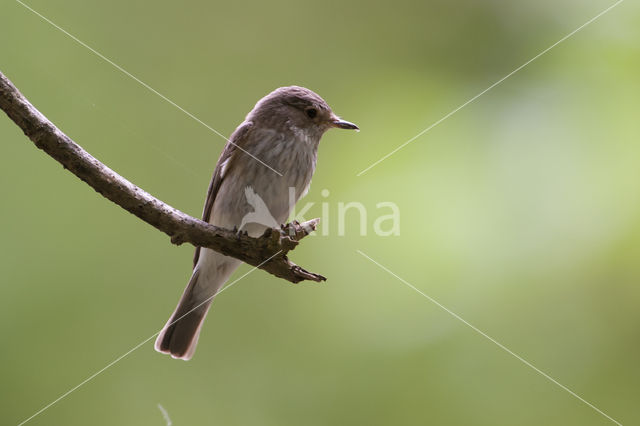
x=268 y=252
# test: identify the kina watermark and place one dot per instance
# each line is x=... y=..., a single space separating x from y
x=336 y=218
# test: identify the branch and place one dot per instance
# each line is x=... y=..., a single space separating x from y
x=268 y=252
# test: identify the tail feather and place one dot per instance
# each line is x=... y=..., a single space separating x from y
x=179 y=336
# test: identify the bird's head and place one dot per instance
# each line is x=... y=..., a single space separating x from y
x=296 y=109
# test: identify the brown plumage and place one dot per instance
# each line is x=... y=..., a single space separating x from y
x=272 y=152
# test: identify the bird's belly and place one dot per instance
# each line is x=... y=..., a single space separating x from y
x=257 y=197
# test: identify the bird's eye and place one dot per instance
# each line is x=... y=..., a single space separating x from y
x=311 y=112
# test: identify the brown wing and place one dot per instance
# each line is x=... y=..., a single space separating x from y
x=229 y=153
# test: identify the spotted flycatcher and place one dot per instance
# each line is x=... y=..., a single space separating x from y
x=281 y=134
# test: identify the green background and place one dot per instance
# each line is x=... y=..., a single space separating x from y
x=520 y=213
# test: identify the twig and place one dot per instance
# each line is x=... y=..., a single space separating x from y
x=181 y=227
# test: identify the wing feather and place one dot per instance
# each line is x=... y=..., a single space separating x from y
x=224 y=165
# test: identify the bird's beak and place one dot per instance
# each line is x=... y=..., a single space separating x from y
x=343 y=124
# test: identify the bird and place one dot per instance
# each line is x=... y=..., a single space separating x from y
x=260 y=214
x=270 y=155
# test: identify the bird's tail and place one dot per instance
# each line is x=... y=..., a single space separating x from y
x=179 y=336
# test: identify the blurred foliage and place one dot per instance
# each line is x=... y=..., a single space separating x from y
x=521 y=213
